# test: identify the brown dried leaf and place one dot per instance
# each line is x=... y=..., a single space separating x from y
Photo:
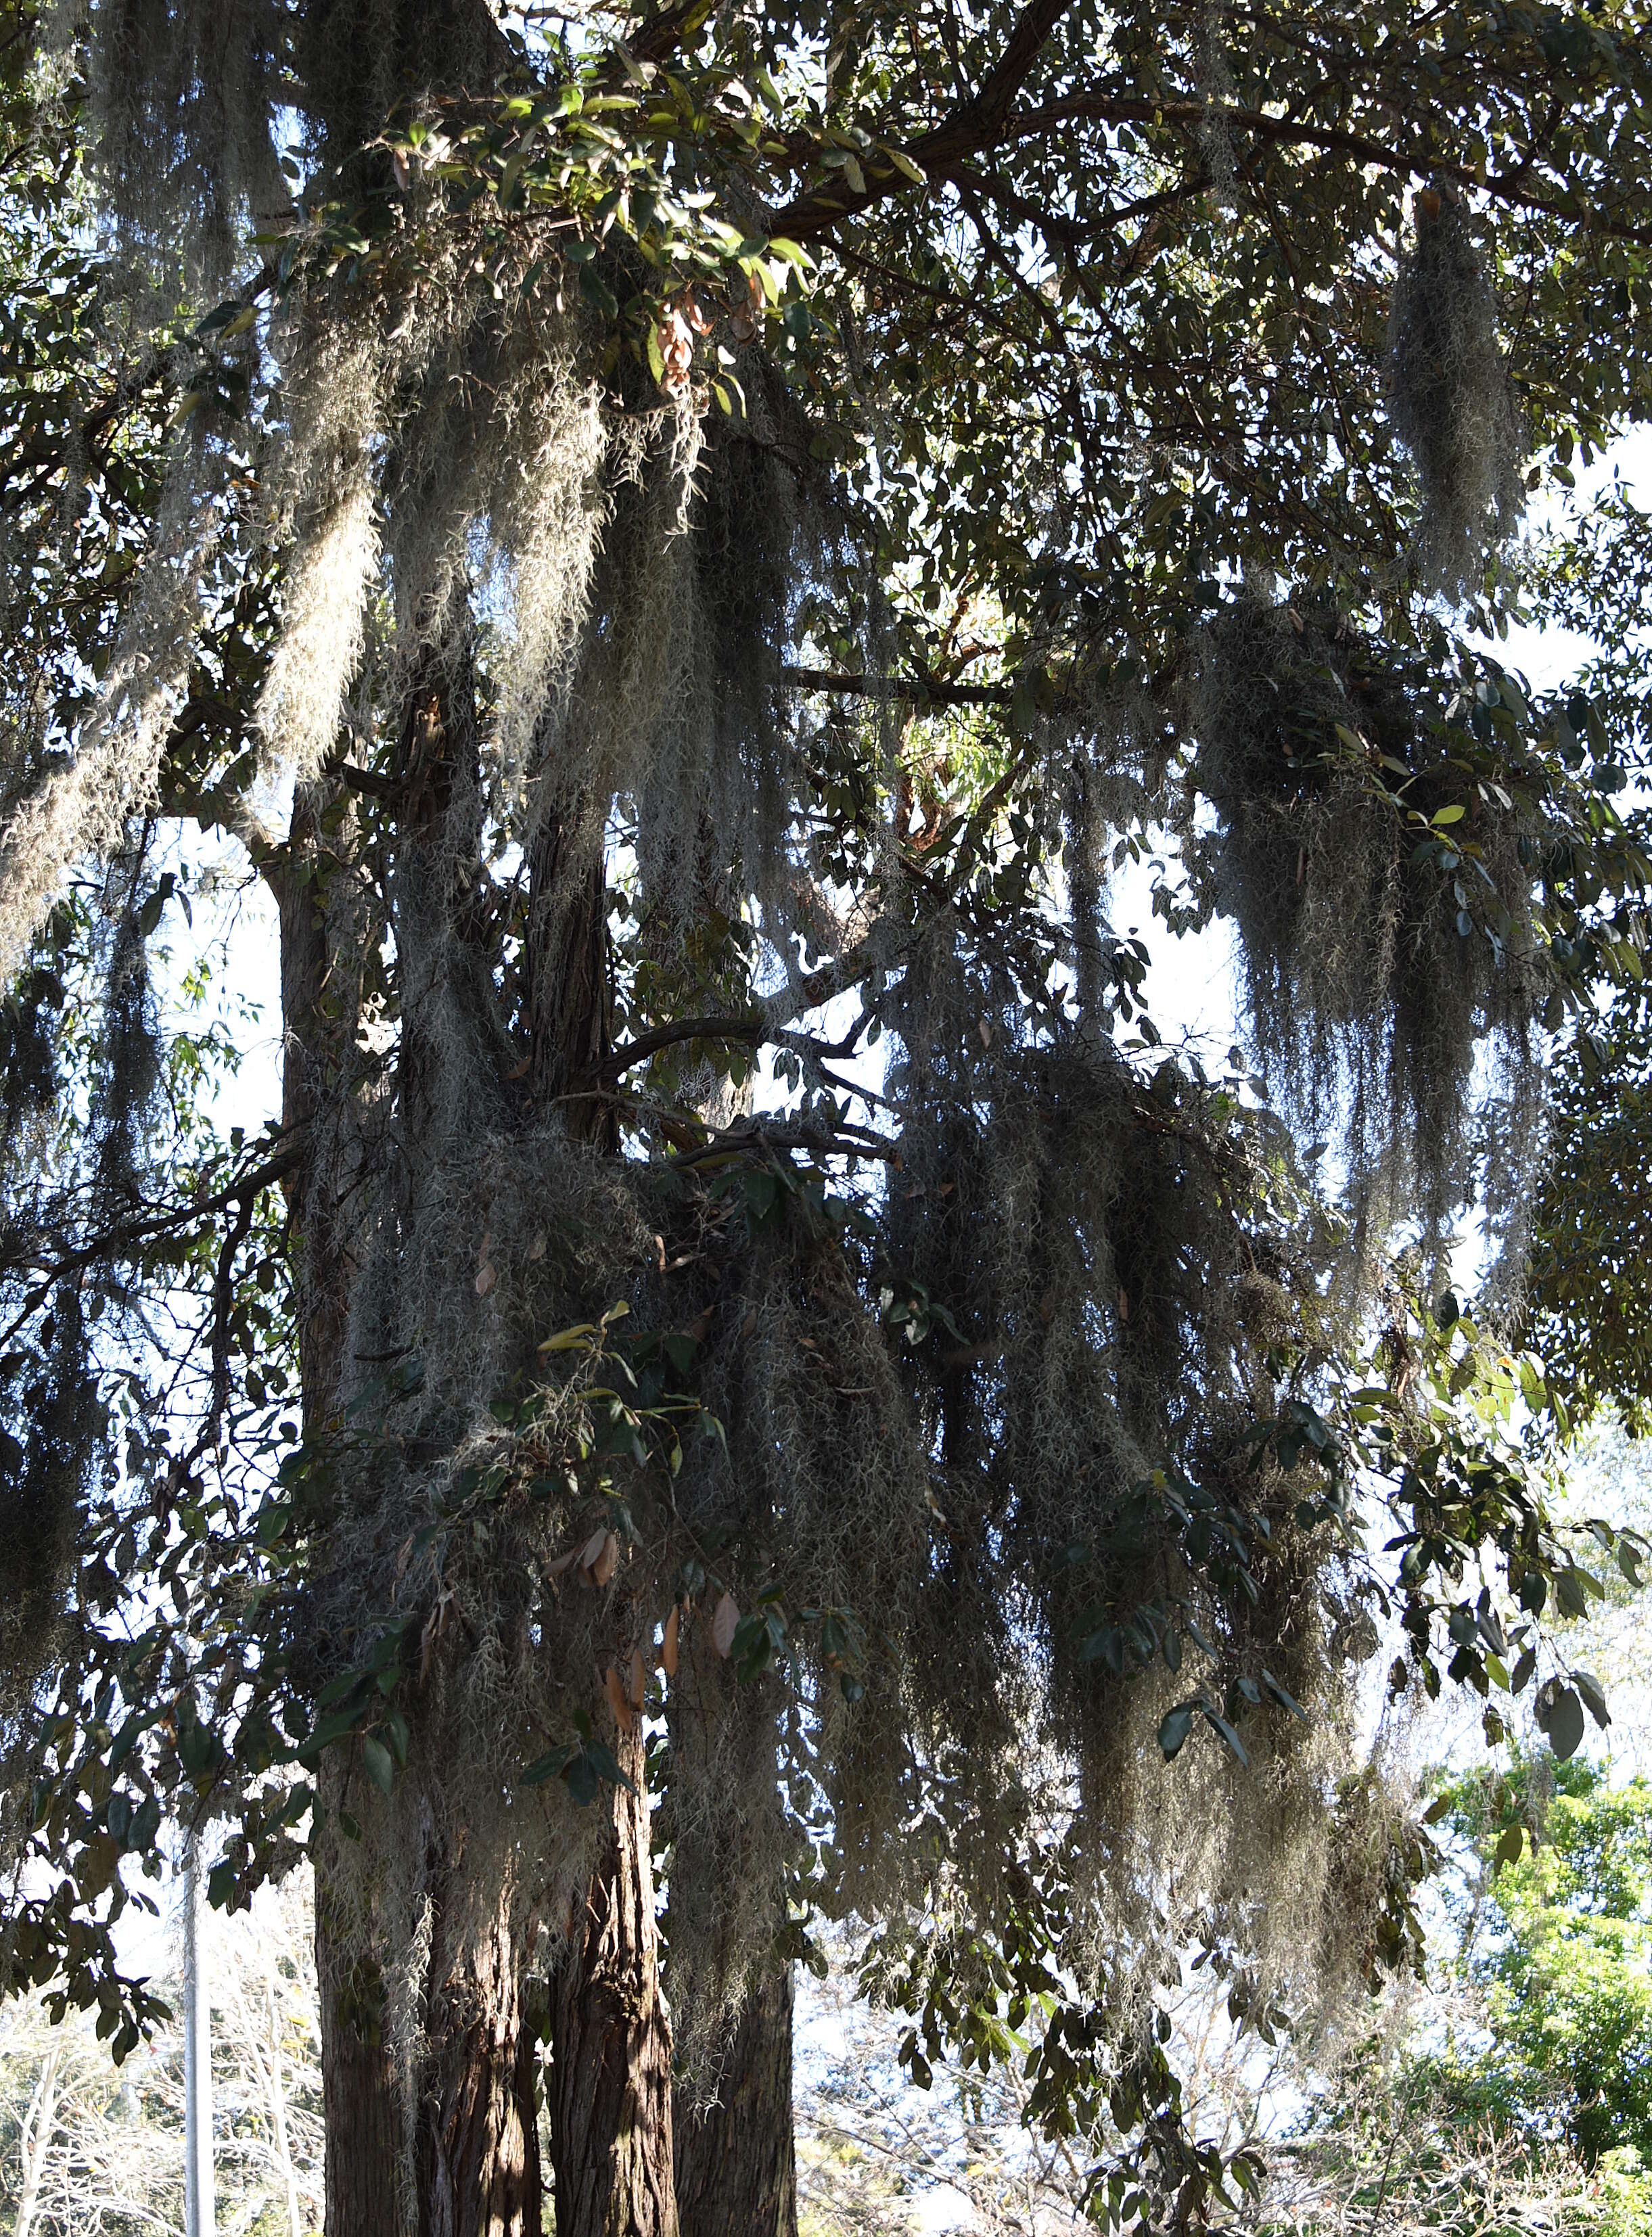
x=608 y=1560
x=564 y=1562
x=593 y=1549
x=638 y=1678
x=485 y=1280
x=747 y=315
x=668 y=1652
x=723 y=1625
x=614 y=1687
x=677 y=353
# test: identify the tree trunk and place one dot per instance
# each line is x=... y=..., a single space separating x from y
x=568 y=1003
x=731 y=1988
x=198 y=2203
x=737 y=2160
x=361 y=2104
x=611 y=2076
x=479 y=2139
x=361 y=2108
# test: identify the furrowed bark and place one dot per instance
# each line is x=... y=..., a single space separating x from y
x=479 y=2142
x=736 y=2173
x=361 y=2104
x=476 y=2159
x=568 y=1006
x=737 y=2160
x=610 y=2084
x=361 y=2110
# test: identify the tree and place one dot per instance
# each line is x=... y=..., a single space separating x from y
x=731 y=524
x=1587 y=1240
x=105 y=2146
x=1516 y=2098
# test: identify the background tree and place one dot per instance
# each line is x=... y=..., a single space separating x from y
x=105 y=2145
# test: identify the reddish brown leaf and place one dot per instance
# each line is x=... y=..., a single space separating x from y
x=608 y=1560
x=724 y=1624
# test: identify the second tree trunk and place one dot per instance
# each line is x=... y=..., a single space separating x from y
x=736 y=2164
x=609 y=2085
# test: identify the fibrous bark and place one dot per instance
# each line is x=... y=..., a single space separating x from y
x=737 y=2161
x=363 y=2188
x=361 y=2104
x=568 y=1005
x=731 y=1988
x=610 y=2077
x=479 y=2140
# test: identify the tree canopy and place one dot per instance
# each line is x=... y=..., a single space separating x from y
x=734 y=526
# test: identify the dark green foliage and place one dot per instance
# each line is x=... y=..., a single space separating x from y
x=50 y=1428
x=1589 y=1300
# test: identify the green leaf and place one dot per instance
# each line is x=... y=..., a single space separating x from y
x=1566 y=1724
x=550 y=1766
x=1219 y=1724
x=605 y=1766
x=1594 y=1696
x=571 y=1339
x=1174 y=1729
x=377 y=1762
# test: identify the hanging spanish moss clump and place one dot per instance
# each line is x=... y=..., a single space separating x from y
x=430 y=425
x=66 y=805
x=1452 y=406
x=1116 y=1282
x=1376 y=970
x=182 y=95
x=323 y=507
x=826 y=1485
x=723 y=761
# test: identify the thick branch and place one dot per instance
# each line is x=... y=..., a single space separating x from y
x=917 y=689
x=979 y=123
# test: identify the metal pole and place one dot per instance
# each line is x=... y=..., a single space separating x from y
x=197 y=2053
